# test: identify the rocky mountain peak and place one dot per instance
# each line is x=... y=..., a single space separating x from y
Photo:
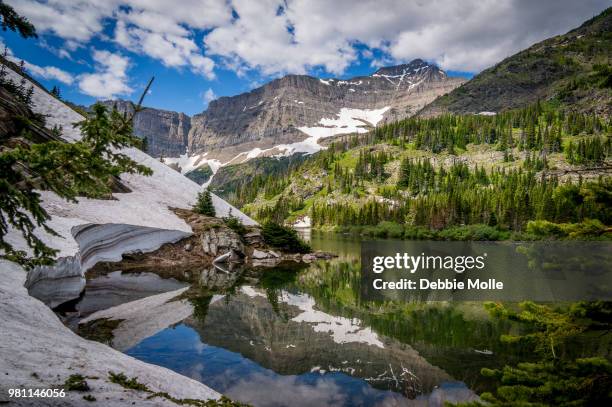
x=289 y=115
x=414 y=67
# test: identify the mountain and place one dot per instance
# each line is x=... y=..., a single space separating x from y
x=573 y=69
x=287 y=115
x=166 y=131
x=292 y=113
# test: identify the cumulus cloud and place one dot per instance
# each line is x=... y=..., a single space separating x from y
x=50 y=72
x=158 y=28
x=76 y=20
x=280 y=36
x=109 y=79
x=162 y=30
x=468 y=35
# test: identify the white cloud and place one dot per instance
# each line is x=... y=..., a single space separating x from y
x=50 y=72
x=110 y=78
x=45 y=72
x=208 y=96
x=76 y=20
x=469 y=35
x=158 y=28
x=279 y=36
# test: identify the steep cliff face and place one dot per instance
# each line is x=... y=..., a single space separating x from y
x=166 y=131
x=281 y=116
x=288 y=115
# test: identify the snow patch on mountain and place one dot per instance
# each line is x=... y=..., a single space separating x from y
x=347 y=121
x=188 y=163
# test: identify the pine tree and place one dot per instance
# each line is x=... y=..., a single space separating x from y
x=55 y=91
x=14 y=22
x=204 y=204
x=86 y=167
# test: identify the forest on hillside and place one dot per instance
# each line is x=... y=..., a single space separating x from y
x=541 y=163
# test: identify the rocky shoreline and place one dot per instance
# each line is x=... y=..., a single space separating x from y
x=213 y=242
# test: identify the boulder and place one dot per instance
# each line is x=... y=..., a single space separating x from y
x=254 y=238
x=259 y=255
x=217 y=241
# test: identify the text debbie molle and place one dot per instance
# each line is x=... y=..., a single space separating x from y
x=412 y=264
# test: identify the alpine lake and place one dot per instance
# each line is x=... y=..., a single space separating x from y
x=298 y=335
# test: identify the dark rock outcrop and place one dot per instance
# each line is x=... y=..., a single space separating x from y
x=166 y=132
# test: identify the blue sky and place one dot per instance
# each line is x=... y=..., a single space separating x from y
x=199 y=50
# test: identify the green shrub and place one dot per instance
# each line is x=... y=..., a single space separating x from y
x=284 y=238
x=473 y=232
x=388 y=229
x=418 y=233
x=125 y=382
x=235 y=224
x=76 y=382
x=589 y=228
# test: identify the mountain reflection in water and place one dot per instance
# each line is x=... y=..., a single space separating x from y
x=302 y=336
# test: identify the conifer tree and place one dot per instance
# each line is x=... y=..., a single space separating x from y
x=14 y=22
x=204 y=204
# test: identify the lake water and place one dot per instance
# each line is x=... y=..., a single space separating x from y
x=302 y=336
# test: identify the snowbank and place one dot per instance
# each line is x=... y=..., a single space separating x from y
x=38 y=351
x=140 y=220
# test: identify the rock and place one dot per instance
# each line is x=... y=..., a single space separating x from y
x=224 y=258
x=273 y=113
x=274 y=254
x=254 y=238
x=259 y=255
x=318 y=255
x=188 y=247
x=324 y=255
x=166 y=131
x=308 y=258
x=232 y=256
x=216 y=241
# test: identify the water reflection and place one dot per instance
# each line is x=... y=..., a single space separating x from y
x=303 y=336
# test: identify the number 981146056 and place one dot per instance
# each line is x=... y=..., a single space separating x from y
x=36 y=393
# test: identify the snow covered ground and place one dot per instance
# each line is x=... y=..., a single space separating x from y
x=146 y=207
x=36 y=349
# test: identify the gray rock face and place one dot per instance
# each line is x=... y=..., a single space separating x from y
x=220 y=241
x=271 y=114
x=166 y=132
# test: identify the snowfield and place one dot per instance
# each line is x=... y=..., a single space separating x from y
x=36 y=349
x=347 y=121
x=147 y=206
